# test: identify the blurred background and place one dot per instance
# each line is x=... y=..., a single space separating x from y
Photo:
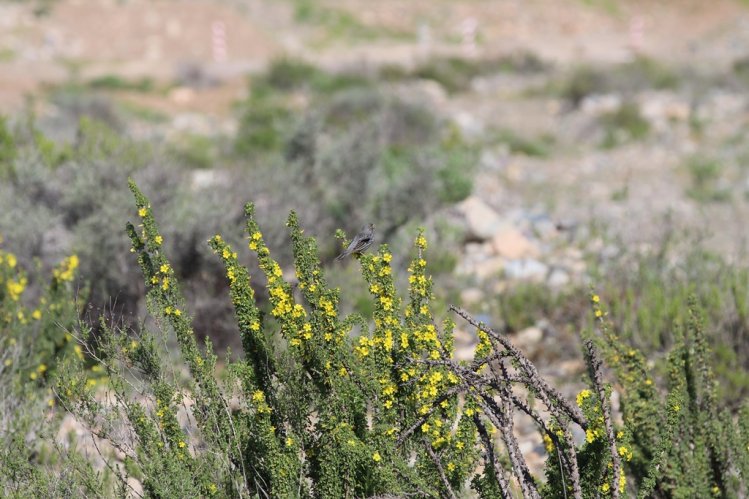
x=547 y=146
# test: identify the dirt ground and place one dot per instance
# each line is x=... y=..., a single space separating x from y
x=138 y=38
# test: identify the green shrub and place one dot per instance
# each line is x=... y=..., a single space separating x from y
x=322 y=404
x=115 y=82
x=628 y=78
x=705 y=174
x=624 y=125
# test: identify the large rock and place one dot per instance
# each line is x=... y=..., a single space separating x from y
x=483 y=222
x=510 y=243
x=488 y=268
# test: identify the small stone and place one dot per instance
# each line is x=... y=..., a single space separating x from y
x=483 y=222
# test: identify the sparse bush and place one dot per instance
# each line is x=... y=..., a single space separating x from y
x=624 y=125
x=627 y=79
x=455 y=74
x=705 y=175
x=535 y=147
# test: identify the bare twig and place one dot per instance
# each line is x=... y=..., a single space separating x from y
x=534 y=379
x=501 y=417
x=438 y=464
x=491 y=457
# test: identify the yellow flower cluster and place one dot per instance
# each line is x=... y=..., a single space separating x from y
x=584 y=394
x=16 y=287
x=484 y=345
x=66 y=270
x=258 y=397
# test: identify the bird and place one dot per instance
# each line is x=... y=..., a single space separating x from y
x=360 y=243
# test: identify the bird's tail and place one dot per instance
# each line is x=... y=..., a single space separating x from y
x=342 y=256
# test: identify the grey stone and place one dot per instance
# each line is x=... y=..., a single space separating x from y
x=526 y=269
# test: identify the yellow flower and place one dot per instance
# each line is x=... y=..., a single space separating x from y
x=164 y=268
x=36 y=314
x=256 y=236
x=590 y=435
x=376 y=457
x=142 y=212
x=258 y=396
x=595 y=298
x=582 y=396
x=177 y=312
x=158 y=239
x=387 y=257
x=451 y=466
x=605 y=487
x=289 y=441
x=181 y=444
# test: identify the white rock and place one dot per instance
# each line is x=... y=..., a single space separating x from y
x=483 y=222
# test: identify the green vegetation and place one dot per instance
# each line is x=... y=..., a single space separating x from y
x=115 y=82
x=540 y=146
x=624 y=125
x=272 y=373
x=323 y=404
x=455 y=73
x=339 y=24
x=628 y=78
x=705 y=174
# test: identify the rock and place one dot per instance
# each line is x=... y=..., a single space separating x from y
x=511 y=243
x=528 y=340
x=488 y=268
x=598 y=104
x=470 y=126
x=558 y=278
x=526 y=269
x=483 y=222
x=471 y=296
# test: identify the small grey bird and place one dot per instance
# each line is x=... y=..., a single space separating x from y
x=361 y=242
